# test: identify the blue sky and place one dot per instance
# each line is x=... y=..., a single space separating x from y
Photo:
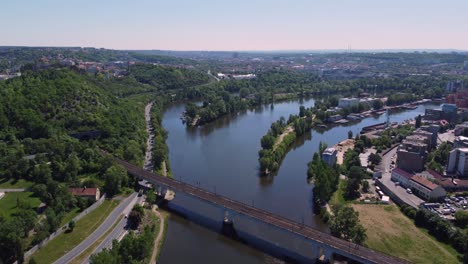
x=237 y=25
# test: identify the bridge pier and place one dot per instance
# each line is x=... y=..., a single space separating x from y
x=328 y=255
x=315 y=252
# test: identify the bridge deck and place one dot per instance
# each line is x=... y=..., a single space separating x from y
x=305 y=231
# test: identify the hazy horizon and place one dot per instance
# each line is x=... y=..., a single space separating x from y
x=261 y=25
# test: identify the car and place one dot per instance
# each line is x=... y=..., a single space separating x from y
x=408 y=190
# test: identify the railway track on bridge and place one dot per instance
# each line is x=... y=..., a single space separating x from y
x=340 y=246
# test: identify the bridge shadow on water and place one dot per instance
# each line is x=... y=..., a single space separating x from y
x=233 y=229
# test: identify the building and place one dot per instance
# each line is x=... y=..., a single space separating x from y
x=429 y=134
x=90 y=193
x=460 y=128
x=329 y=156
x=348 y=102
x=460 y=142
x=401 y=176
x=457 y=162
x=334 y=118
x=411 y=155
x=426 y=189
x=449 y=108
x=448 y=183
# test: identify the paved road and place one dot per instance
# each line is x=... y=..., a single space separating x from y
x=106 y=225
x=343 y=247
x=12 y=190
x=410 y=199
x=119 y=230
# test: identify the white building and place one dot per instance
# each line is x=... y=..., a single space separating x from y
x=458 y=162
x=427 y=189
x=401 y=176
x=348 y=102
x=329 y=156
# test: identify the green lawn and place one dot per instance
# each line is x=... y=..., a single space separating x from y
x=14 y=184
x=69 y=216
x=67 y=241
x=391 y=232
x=9 y=201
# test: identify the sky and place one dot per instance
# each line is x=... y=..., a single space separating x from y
x=236 y=24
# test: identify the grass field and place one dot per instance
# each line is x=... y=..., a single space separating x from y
x=9 y=201
x=338 y=196
x=391 y=232
x=67 y=241
x=69 y=216
x=14 y=184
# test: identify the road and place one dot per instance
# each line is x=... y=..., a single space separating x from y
x=358 y=253
x=12 y=190
x=385 y=164
x=100 y=231
x=118 y=232
x=148 y=164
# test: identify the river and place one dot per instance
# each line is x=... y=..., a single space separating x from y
x=223 y=157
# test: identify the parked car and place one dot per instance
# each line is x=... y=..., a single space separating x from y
x=408 y=190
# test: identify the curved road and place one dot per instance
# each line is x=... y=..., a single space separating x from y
x=100 y=231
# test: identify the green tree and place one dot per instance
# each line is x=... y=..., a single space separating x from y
x=136 y=216
x=344 y=223
x=115 y=178
x=461 y=218
x=244 y=92
x=374 y=159
x=418 y=121
x=151 y=197
x=71 y=225
x=350 y=134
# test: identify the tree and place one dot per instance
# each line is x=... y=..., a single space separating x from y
x=365 y=186
x=374 y=159
x=461 y=218
x=350 y=134
x=71 y=225
x=302 y=111
x=115 y=178
x=418 y=121
x=244 y=92
x=344 y=223
x=136 y=215
x=377 y=104
x=151 y=197
x=267 y=141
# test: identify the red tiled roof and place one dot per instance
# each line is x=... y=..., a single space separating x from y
x=83 y=191
x=424 y=182
x=403 y=173
x=449 y=183
x=435 y=174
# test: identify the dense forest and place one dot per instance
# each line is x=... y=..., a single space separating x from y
x=230 y=96
x=39 y=114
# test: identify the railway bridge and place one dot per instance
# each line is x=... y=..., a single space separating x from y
x=316 y=244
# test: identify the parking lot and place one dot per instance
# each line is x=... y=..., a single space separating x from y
x=450 y=206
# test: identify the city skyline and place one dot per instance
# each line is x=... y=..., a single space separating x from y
x=241 y=26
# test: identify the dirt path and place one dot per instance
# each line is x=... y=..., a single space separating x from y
x=164 y=169
x=289 y=129
x=157 y=241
